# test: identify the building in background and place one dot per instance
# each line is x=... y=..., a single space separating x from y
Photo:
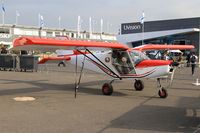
x=10 y=32
x=175 y=31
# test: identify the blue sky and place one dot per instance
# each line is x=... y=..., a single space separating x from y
x=113 y=12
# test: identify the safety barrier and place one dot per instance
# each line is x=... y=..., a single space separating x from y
x=18 y=63
x=28 y=62
x=7 y=62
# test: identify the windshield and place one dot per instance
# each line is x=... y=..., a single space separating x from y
x=138 y=56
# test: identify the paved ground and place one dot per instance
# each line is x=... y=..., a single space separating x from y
x=55 y=109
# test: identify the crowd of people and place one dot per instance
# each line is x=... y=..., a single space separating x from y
x=191 y=58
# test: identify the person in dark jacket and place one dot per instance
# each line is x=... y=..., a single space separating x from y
x=193 y=60
x=188 y=59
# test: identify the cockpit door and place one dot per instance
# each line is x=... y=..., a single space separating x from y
x=122 y=62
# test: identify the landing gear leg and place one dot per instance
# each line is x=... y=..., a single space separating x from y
x=78 y=81
x=139 y=85
x=162 y=91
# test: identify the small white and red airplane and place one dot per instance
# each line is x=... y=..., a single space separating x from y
x=116 y=60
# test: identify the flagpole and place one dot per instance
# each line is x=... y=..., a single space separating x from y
x=101 y=27
x=90 y=27
x=3 y=12
x=142 y=21
x=119 y=30
x=3 y=17
x=17 y=15
x=39 y=20
x=59 y=22
x=78 y=26
x=143 y=33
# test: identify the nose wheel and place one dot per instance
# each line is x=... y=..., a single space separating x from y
x=162 y=93
x=107 y=89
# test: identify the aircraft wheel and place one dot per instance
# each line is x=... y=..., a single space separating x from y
x=139 y=85
x=107 y=89
x=163 y=93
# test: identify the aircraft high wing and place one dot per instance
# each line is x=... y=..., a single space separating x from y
x=118 y=61
x=50 y=44
x=163 y=47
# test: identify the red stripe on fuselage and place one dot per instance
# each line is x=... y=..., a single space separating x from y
x=153 y=63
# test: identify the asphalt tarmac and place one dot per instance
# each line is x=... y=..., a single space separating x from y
x=55 y=110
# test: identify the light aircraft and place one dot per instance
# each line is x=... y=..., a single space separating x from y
x=116 y=60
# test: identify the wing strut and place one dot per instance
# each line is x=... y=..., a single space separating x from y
x=75 y=88
x=104 y=65
x=80 y=76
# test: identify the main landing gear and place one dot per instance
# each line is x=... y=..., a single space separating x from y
x=107 y=88
x=162 y=91
x=139 y=85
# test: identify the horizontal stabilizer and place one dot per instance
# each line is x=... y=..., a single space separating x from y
x=44 y=60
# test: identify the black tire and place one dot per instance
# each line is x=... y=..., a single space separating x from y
x=163 y=93
x=107 y=89
x=139 y=85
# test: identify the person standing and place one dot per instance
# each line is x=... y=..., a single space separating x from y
x=188 y=59
x=166 y=55
x=3 y=50
x=180 y=59
x=193 y=60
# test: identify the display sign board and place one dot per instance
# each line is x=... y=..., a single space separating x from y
x=128 y=28
x=5 y=35
x=161 y=25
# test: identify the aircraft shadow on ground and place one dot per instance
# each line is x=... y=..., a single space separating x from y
x=85 y=87
x=161 y=118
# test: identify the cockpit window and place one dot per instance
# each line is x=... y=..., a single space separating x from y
x=122 y=62
x=138 y=56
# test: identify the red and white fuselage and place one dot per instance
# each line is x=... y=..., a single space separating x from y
x=146 y=68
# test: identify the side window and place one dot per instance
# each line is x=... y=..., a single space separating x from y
x=137 y=57
x=122 y=62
